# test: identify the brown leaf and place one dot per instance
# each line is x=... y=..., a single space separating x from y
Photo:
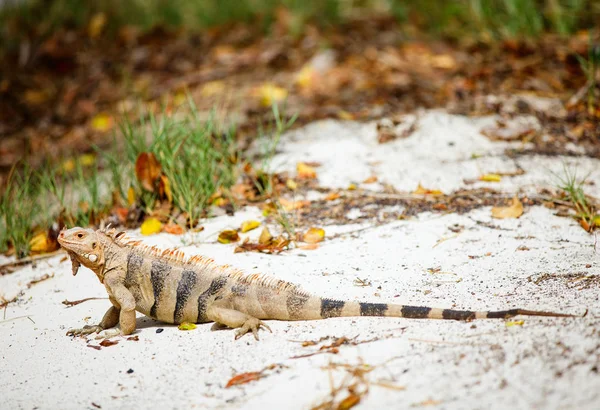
x=243 y=378
x=228 y=236
x=515 y=210
x=147 y=170
x=107 y=343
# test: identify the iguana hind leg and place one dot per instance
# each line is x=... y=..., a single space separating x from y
x=236 y=320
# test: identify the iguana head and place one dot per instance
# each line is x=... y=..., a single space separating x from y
x=83 y=247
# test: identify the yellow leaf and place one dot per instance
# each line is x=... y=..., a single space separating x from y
x=424 y=191
x=97 y=23
x=87 y=160
x=352 y=187
x=291 y=184
x=305 y=171
x=515 y=323
x=345 y=115
x=249 y=225
x=179 y=98
x=130 y=196
x=39 y=243
x=151 y=226
x=314 y=235
x=515 y=210
x=370 y=180
x=305 y=78
x=102 y=122
x=212 y=88
x=228 y=236
x=596 y=220
x=490 y=178
x=186 y=326
x=164 y=188
x=68 y=165
x=270 y=94
x=265 y=236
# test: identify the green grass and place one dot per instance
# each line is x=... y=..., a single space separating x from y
x=197 y=156
x=572 y=186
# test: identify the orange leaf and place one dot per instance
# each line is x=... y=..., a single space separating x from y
x=332 y=196
x=515 y=210
x=370 y=180
x=424 y=191
x=147 y=170
x=314 y=235
x=243 y=378
x=309 y=247
x=173 y=229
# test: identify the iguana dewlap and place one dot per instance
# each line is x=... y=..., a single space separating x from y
x=167 y=286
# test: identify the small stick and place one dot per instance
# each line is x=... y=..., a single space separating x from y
x=69 y=303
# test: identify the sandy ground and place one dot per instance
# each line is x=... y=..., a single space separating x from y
x=539 y=261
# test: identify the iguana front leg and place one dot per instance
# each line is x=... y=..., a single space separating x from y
x=110 y=319
x=122 y=298
x=236 y=320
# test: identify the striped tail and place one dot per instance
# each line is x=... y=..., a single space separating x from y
x=336 y=308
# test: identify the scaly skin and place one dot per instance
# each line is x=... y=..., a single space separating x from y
x=167 y=286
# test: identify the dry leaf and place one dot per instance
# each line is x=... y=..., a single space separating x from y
x=249 y=225
x=265 y=236
x=314 y=235
x=424 y=191
x=102 y=122
x=332 y=196
x=97 y=23
x=151 y=226
x=186 y=326
x=490 y=178
x=164 y=188
x=243 y=378
x=370 y=180
x=352 y=187
x=228 y=236
x=291 y=184
x=349 y=402
x=305 y=171
x=147 y=170
x=131 y=196
x=107 y=343
x=270 y=94
x=40 y=243
x=515 y=210
x=173 y=228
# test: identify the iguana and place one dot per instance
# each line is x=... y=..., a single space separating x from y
x=167 y=286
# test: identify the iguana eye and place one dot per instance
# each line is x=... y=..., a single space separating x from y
x=80 y=235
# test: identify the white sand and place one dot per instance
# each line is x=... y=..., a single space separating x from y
x=547 y=363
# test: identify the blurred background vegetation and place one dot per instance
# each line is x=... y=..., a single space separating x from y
x=486 y=19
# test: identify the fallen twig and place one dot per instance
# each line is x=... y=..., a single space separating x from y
x=69 y=303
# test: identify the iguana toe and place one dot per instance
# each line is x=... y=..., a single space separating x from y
x=252 y=325
x=109 y=333
x=86 y=330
